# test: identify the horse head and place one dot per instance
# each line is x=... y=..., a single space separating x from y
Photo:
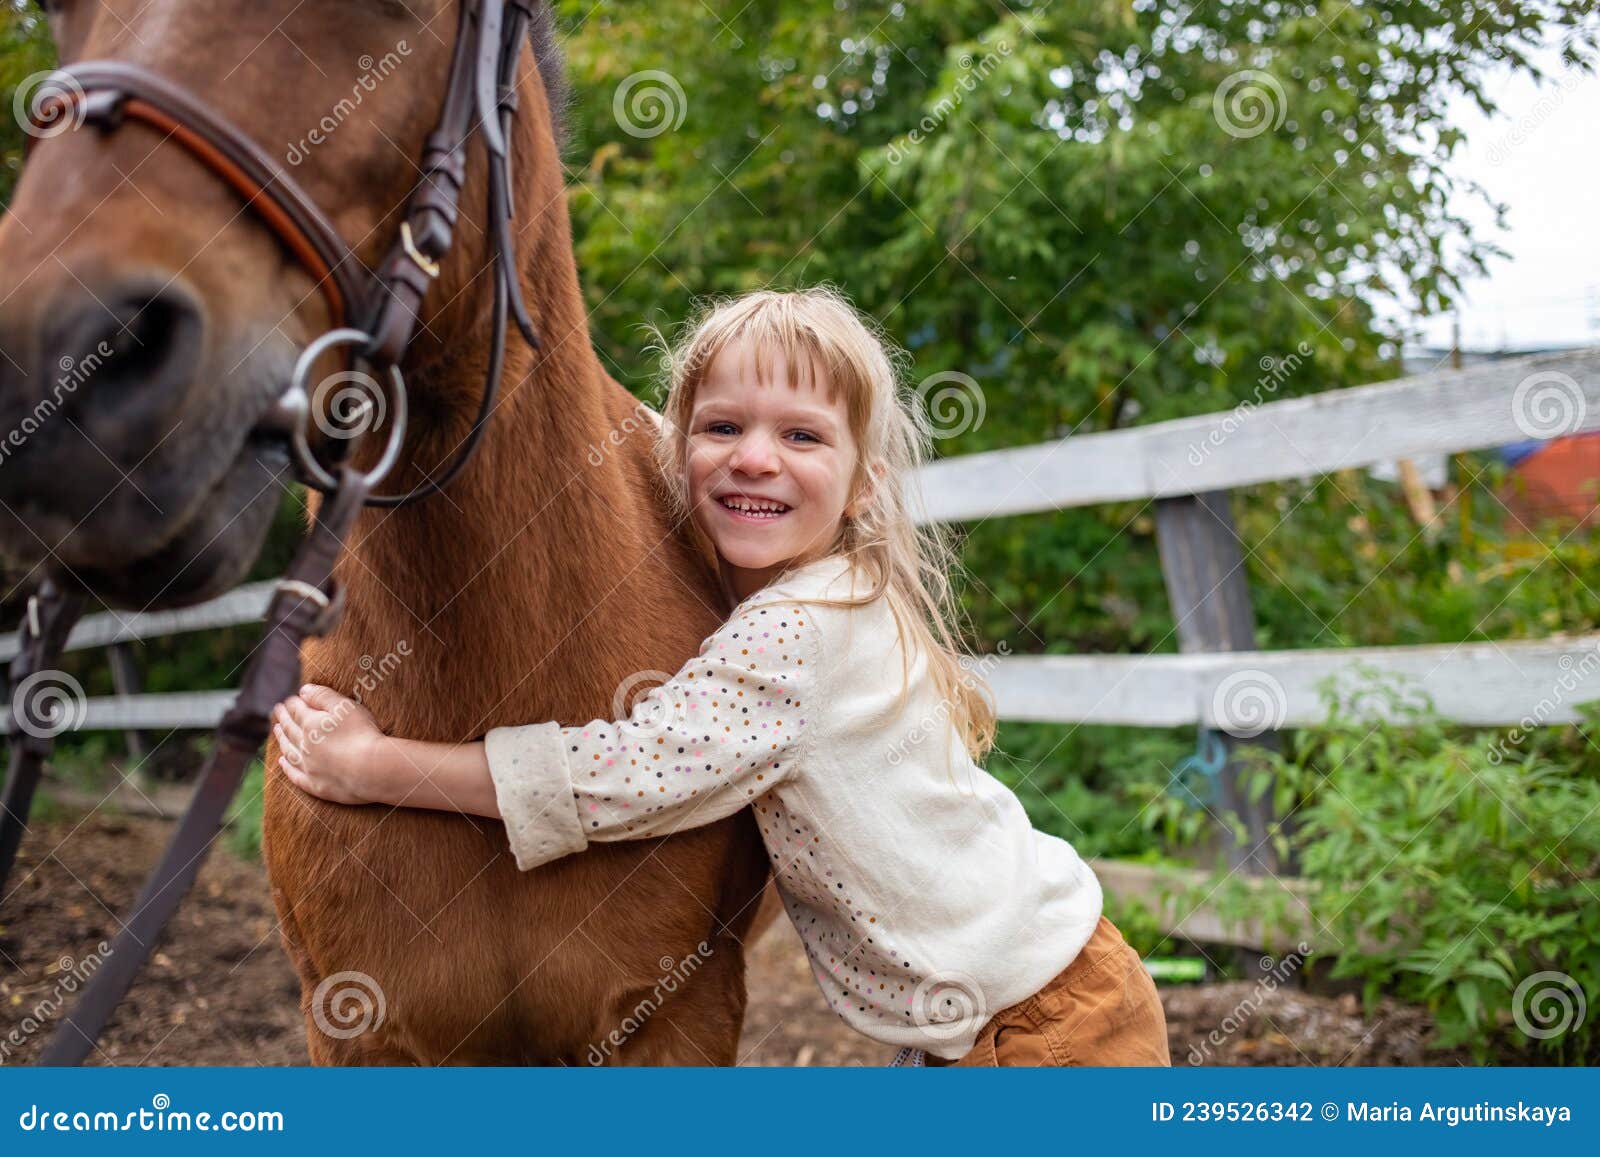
x=151 y=316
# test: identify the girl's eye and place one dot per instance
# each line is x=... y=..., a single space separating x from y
x=807 y=434
x=719 y=427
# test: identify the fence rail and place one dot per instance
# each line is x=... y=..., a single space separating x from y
x=1478 y=684
x=1444 y=412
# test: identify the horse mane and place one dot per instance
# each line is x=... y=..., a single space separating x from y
x=547 y=51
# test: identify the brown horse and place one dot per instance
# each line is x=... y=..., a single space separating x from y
x=532 y=589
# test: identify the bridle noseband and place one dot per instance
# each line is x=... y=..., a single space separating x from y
x=376 y=314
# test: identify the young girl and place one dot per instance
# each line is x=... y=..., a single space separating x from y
x=833 y=702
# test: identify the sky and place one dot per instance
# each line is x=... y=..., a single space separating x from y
x=1540 y=155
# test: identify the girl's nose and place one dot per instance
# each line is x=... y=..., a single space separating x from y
x=754 y=455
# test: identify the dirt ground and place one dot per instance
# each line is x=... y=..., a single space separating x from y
x=219 y=990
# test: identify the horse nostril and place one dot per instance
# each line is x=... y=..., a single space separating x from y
x=130 y=351
x=147 y=340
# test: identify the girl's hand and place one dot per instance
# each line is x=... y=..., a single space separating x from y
x=331 y=747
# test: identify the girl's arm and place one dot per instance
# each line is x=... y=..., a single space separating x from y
x=722 y=731
x=332 y=748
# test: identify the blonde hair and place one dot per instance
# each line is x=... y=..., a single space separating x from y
x=814 y=331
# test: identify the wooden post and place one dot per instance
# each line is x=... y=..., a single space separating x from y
x=1203 y=566
x=125 y=680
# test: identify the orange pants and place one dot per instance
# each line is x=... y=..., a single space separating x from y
x=1102 y=1009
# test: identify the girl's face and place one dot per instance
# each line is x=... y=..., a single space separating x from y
x=769 y=466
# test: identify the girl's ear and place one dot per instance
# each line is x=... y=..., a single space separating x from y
x=874 y=477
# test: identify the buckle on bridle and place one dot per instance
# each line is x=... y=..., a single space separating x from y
x=422 y=260
x=329 y=610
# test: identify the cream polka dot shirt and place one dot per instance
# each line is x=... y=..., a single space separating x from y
x=925 y=899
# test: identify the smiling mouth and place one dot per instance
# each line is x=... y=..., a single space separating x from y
x=748 y=510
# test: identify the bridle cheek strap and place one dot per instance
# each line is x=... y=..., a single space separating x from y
x=480 y=95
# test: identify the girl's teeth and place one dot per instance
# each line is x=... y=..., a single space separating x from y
x=754 y=511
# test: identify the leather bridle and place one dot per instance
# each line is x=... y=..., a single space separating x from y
x=372 y=314
x=375 y=313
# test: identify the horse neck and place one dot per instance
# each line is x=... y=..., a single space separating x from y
x=540 y=543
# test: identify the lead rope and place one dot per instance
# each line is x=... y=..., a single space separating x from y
x=910 y=1057
x=308 y=601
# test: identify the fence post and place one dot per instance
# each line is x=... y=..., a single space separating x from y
x=1210 y=597
x=125 y=681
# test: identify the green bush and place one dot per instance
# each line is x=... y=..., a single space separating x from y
x=244 y=814
x=1451 y=868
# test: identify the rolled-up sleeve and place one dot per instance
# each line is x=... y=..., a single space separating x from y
x=723 y=731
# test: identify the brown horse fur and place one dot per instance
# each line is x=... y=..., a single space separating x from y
x=531 y=590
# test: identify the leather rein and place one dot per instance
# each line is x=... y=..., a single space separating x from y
x=373 y=316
